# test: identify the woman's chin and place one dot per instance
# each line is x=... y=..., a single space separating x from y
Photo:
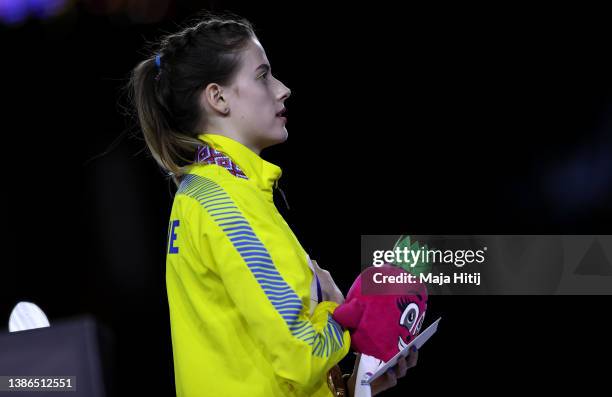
x=285 y=134
x=280 y=135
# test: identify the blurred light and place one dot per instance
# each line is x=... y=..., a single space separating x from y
x=585 y=179
x=17 y=11
x=46 y=8
x=13 y=11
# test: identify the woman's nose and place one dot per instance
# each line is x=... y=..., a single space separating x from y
x=285 y=91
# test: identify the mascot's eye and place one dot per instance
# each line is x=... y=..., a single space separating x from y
x=420 y=324
x=409 y=316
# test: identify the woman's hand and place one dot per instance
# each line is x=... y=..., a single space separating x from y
x=389 y=379
x=329 y=289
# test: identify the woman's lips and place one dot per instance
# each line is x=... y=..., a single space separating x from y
x=282 y=113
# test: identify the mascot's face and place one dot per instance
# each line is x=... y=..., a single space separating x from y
x=387 y=318
x=412 y=314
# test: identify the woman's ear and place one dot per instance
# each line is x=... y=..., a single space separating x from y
x=212 y=98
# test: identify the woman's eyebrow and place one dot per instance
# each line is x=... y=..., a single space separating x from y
x=263 y=66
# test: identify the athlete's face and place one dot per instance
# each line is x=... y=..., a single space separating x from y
x=255 y=98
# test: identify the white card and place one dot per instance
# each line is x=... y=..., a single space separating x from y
x=418 y=342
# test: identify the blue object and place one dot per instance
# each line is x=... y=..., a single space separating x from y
x=319 y=294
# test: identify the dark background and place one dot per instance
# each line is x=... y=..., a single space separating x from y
x=426 y=121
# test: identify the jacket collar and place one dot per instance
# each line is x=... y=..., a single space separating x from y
x=263 y=173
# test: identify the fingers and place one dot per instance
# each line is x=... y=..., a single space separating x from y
x=357 y=360
x=389 y=379
x=384 y=382
x=412 y=358
x=401 y=367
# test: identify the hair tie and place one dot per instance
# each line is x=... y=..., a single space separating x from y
x=158 y=61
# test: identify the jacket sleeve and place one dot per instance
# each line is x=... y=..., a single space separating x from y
x=243 y=241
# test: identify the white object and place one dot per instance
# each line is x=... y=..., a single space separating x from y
x=314 y=301
x=419 y=341
x=26 y=315
x=371 y=368
x=367 y=365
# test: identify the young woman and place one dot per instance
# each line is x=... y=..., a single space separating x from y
x=239 y=283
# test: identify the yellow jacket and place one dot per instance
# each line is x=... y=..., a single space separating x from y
x=239 y=285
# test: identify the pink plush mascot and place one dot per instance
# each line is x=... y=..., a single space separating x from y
x=381 y=317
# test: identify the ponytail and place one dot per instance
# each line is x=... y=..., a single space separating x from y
x=171 y=149
x=164 y=89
